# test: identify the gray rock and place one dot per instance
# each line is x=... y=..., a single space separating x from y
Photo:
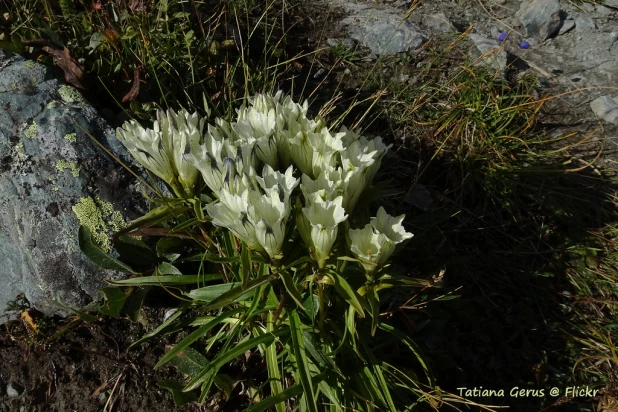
x=583 y=23
x=347 y=43
x=439 y=23
x=14 y=390
x=603 y=11
x=606 y=108
x=491 y=52
x=383 y=32
x=48 y=166
x=611 y=3
x=541 y=18
x=567 y=26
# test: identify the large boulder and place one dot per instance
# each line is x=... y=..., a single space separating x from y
x=53 y=178
x=541 y=18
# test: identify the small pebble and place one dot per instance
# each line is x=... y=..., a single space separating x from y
x=13 y=390
x=319 y=73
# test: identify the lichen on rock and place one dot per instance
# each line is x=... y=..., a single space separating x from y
x=30 y=131
x=101 y=218
x=64 y=164
x=70 y=95
x=71 y=137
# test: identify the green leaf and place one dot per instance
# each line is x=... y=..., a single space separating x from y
x=96 y=40
x=133 y=306
x=210 y=293
x=114 y=301
x=135 y=251
x=225 y=383
x=278 y=399
x=374 y=303
x=344 y=290
x=233 y=294
x=175 y=387
x=212 y=258
x=53 y=36
x=402 y=337
x=245 y=264
x=290 y=286
x=156 y=215
x=158 y=330
x=170 y=247
x=197 y=334
x=168 y=269
x=302 y=367
x=96 y=254
x=377 y=368
x=274 y=375
x=227 y=356
x=166 y=280
x=189 y=362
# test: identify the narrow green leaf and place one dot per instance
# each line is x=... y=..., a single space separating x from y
x=377 y=369
x=278 y=399
x=168 y=280
x=245 y=264
x=228 y=355
x=210 y=293
x=197 y=334
x=225 y=383
x=374 y=303
x=159 y=214
x=237 y=292
x=300 y=356
x=274 y=375
x=344 y=290
x=402 y=337
x=212 y=258
x=158 y=330
x=96 y=254
x=290 y=286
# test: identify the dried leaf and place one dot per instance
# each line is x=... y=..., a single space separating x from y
x=132 y=94
x=73 y=71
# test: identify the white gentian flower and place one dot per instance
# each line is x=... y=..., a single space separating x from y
x=326 y=148
x=376 y=242
x=238 y=222
x=349 y=136
x=366 y=245
x=181 y=134
x=378 y=149
x=324 y=218
x=147 y=147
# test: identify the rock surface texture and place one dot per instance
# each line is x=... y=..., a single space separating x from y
x=49 y=169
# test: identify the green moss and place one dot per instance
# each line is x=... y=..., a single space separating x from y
x=69 y=94
x=101 y=218
x=30 y=64
x=71 y=137
x=63 y=164
x=30 y=131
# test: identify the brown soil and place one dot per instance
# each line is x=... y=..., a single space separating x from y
x=86 y=369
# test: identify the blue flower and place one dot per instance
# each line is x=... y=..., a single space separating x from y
x=524 y=45
x=502 y=37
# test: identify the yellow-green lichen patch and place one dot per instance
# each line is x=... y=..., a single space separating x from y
x=63 y=164
x=53 y=104
x=30 y=64
x=71 y=137
x=69 y=94
x=30 y=131
x=101 y=218
x=19 y=149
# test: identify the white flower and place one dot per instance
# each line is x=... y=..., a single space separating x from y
x=181 y=134
x=237 y=221
x=269 y=214
x=324 y=218
x=376 y=242
x=326 y=148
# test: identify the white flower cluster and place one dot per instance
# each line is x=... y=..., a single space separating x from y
x=274 y=135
